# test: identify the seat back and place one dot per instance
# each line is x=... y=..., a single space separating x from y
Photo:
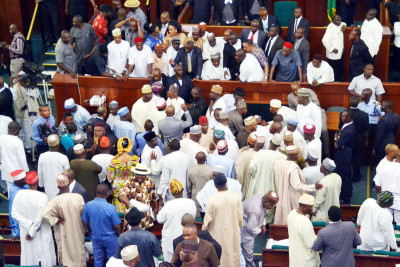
x=283 y=10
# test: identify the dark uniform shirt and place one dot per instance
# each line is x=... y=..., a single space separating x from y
x=386 y=132
x=202 y=10
x=95 y=64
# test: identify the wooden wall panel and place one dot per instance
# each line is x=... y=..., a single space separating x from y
x=11 y=13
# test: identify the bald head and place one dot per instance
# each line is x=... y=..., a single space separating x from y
x=201 y=157
x=13 y=29
x=69 y=173
x=240 y=55
x=170 y=111
x=276 y=127
x=102 y=190
x=101 y=111
x=14 y=128
x=187 y=219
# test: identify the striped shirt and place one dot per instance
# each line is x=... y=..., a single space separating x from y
x=17 y=46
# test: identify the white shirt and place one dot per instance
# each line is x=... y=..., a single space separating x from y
x=113 y=262
x=177 y=103
x=171 y=54
x=220 y=103
x=333 y=39
x=359 y=83
x=312 y=174
x=140 y=112
x=204 y=37
x=315 y=145
x=12 y=156
x=255 y=37
x=377 y=231
x=226 y=129
x=229 y=102
x=140 y=60
x=323 y=74
x=233 y=149
x=175 y=166
x=388 y=178
x=265 y=23
x=4 y=121
x=238 y=45
x=155 y=116
x=118 y=55
x=210 y=72
x=191 y=148
x=309 y=114
x=287 y=113
x=111 y=120
x=396 y=33
x=146 y=155
x=382 y=164
x=50 y=166
x=371 y=34
x=104 y=161
x=218 y=48
x=171 y=215
x=272 y=41
x=250 y=70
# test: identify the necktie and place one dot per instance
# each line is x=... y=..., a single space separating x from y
x=48 y=123
x=252 y=36
x=351 y=50
x=268 y=46
x=189 y=60
x=295 y=25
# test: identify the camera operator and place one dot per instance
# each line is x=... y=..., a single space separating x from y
x=26 y=108
x=16 y=49
x=42 y=127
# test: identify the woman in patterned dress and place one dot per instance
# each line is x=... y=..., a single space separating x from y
x=120 y=172
x=141 y=188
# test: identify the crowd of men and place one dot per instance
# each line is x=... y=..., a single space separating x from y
x=175 y=159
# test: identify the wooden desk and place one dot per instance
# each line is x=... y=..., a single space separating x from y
x=280 y=232
x=316 y=47
x=273 y=257
x=333 y=119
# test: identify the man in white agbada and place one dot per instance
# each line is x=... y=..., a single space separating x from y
x=233 y=147
x=277 y=108
x=223 y=125
x=231 y=100
x=37 y=244
x=312 y=172
x=313 y=143
x=213 y=69
x=308 y=112
x=388 y=179
x=129 y=257
x=374 y=223
x=250 y=69
x=328 y=196
x=12 y=154
x=140 y=60
x=262 y=169
x=4 y=121
x=172 y=51
x=190 y=146
x=216 y=102
x=319 y=71
x=113 y=117
x=301 y=235
x=175 y=165
x=371 y=32
x=142 y=107
x=118 y=54
x=151 y=153
x=391 y=151
x=80 y=114
x=213 y=45
x=209 y=189
x=158 y=114
x=25 y=104
x=51 y=164
x=171 y=215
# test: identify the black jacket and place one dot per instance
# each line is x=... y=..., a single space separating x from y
x=203 y=235
x=236 y=7
x=272 y=21
x=6 y=103
x=275 y=48
x=345 y=142
x=199 y=109
x=230 y=61
x=290 y=32
x=184 y=90
x=361 y=122
x=196 y=59
x=261 y=40
x=359 y=56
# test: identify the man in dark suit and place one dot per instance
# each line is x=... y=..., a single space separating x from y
x=222 y=19
x=254 y=34
x=188 y=219
x=303 y=47
x=359 y=54
x=185 y=88
x=251 y=8
x=229 y=55
x=361 y=122
x=194 y=66
x=337 y=241
x=267 y=20
x=387 y=130
x=344 y=140
x=298 y=21
x=199 y=105
x=274 y=43
x=348 y=8
x=77 y=187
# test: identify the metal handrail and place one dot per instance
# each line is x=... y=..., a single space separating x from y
x=28 y=37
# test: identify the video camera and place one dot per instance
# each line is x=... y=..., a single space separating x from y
x=89 y=128
x=45 y=131
x=33 y=73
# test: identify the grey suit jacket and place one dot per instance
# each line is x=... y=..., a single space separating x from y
x=171 y=128
x=337 y=241
x=304 y=52
x=235 y=122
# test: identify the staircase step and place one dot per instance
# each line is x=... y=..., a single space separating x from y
x=49 y=62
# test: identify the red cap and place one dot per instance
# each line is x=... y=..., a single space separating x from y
x=138 y=40
x=18 y=175
x=99 y=124
x=104 y=142
x=288 y=45
x=31 y=177
x=203 y=120
x=309 y=128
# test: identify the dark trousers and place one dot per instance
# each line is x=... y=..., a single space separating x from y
x=41 y=149
x=176 y=10
x=337 y=66
x=358 y=154
x=348 y=12
x=49 y=15
x=371 y=143
x=344 y=171
x=396 y=57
